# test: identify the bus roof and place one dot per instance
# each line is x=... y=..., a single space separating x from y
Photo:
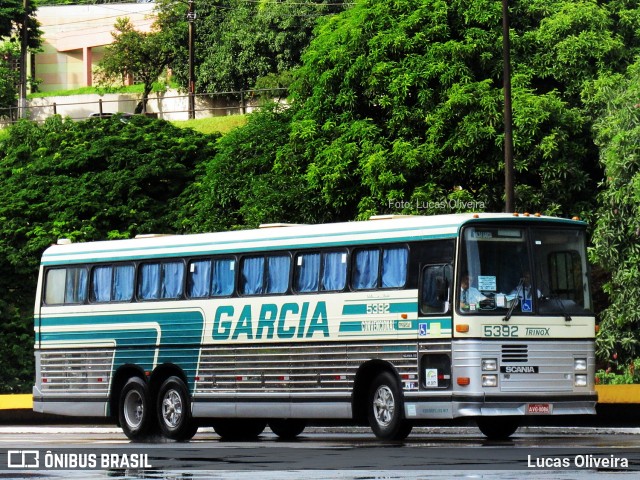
x=384 y=229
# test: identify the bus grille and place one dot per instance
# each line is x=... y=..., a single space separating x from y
x=515 y=353
x=297 y=367
x=75 y=371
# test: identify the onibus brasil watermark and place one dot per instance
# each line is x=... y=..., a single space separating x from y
x=43 y=460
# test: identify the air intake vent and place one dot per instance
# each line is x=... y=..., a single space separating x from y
x=515 y=354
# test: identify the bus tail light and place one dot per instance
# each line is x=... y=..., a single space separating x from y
x=463 y=381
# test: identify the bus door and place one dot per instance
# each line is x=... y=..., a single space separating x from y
x=435 y=295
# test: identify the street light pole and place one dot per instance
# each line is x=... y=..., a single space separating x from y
x=508 y=122
x=191 y=16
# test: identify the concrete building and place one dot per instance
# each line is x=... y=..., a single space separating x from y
x=74 y=38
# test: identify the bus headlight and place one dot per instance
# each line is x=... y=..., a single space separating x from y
x=489 y=364
x=580 y=364
x=489 y=380
x=580 y=381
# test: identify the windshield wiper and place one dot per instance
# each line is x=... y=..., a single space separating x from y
x=507 y=317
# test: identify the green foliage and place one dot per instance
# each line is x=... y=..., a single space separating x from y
x=141 y=55
x=241 y=188
x=237 y=42
x=8 y=77
x=402 y=101
x=89 y=180
x=12 y=24
x=616 y=245
x=620 y=375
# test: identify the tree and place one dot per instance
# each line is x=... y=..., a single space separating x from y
x=616 y=246
x=9 y=78
x=403 y=101
x=144 y=56
x=238 y=42
x=240 y=187
x=13 y=21
x=92 y=180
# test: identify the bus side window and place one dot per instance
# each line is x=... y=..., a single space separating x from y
x=435 y=289
x=109 y=283
x=66 y=285
x=379 y=268
x=334 y=271
x=160 y=280
x=222 y=282
x=307 y=272
x=261 y=275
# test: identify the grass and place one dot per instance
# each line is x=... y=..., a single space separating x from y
x=213 y=124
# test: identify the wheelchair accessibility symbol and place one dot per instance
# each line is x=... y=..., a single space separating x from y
x=422 y=329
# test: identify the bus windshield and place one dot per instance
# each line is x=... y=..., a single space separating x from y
x=523 y=271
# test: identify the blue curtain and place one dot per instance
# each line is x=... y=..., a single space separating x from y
x=172 y=279
x=252 y=275
x=76 y=285
x=223 y=277
x=394 y=267
x=365 y=269
x=278 y=274
x=101 y=284
x=123 y=283
x=334 y=271
x=308 y=272
x=149 y=284
x=199 y=275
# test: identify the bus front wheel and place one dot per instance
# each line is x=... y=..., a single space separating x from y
x=385 y=409
x=134 y=409
x=497 y=428
x=174 y=413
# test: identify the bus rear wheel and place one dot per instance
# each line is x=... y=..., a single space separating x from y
x=497 y=428
x=287 y=428
x=235 y=429
x=385 y=409
x=134 y=409
x=174 y=413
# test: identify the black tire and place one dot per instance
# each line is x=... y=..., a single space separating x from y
x=135 y=411
x=385 y=408
x=235 y=429
x=497 y=428
x=174 y=410
x=287 y=428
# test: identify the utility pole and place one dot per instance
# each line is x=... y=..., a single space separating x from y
x=191 y=16
x=24 y=46
x=508 y=121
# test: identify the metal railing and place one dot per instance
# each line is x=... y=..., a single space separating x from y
x=170 y=105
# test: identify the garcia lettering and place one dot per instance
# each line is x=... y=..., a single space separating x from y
x=268 y=321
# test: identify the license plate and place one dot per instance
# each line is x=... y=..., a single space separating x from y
x=539 y=409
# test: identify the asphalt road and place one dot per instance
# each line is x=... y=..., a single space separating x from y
x=344 y=453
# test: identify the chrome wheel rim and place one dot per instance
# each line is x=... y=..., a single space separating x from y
x=172 y=408
x=383 y=405
x=133 y=409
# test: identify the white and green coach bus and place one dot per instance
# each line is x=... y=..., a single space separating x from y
x=391 y=322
